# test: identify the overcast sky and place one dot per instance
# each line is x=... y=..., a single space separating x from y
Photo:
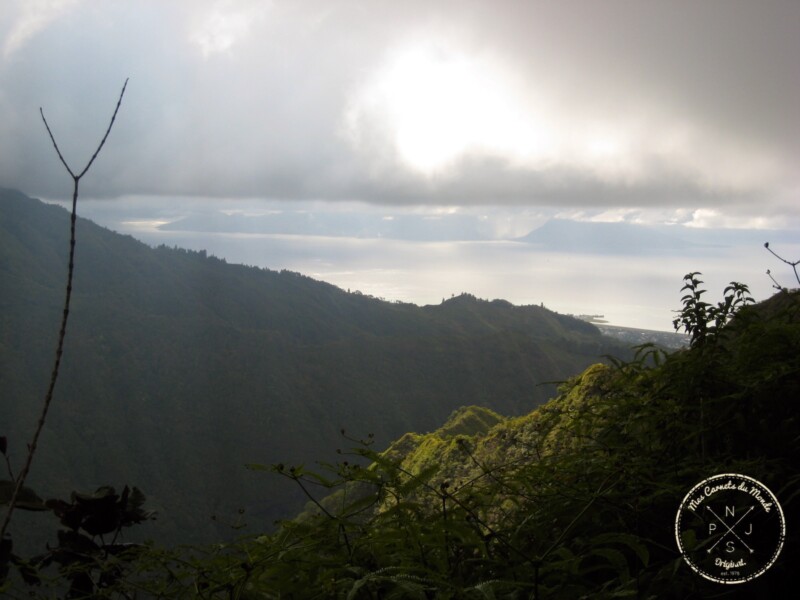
x=683 y=112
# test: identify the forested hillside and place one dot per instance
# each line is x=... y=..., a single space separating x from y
x=576 y=499
x=180 y=368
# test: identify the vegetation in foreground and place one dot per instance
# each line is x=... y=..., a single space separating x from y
x=575 y=500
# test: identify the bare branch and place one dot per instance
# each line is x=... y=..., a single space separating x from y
x=110 y=125
x=65 y=316
x=775 y=284
x=788 y=262
x=55 y=145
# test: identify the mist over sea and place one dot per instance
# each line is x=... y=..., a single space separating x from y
x=633 y=283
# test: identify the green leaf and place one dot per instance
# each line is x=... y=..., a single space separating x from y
x=77 y=543
x=615 y=558
x=27 y=499
x=626 y=539
x=419 y=479
x=359 y=505
x=486 y=590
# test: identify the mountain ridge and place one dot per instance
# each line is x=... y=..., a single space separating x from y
x=180 y=368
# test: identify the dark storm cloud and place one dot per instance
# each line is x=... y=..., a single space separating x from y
x=688 y=104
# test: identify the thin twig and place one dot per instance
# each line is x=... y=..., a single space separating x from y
x=65 y=316
x=788 y=262
x=55 y=145
x=775 y=284
x=105 y=137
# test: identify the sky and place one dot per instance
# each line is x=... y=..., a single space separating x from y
x=406 y=149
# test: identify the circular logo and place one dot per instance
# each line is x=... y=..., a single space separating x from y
x=730 y=528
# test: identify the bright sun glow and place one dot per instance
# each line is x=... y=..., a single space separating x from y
x=431 y=104
x=441 y=106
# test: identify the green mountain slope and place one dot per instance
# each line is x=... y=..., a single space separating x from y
x=180 y=368
x=576 y=499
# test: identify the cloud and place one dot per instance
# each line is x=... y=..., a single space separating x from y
x=569 y=105
x=224 y=24
x=33 y=16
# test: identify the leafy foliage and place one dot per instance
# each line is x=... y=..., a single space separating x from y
x=576 y=499
x=87 y=562
x=702 y=320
